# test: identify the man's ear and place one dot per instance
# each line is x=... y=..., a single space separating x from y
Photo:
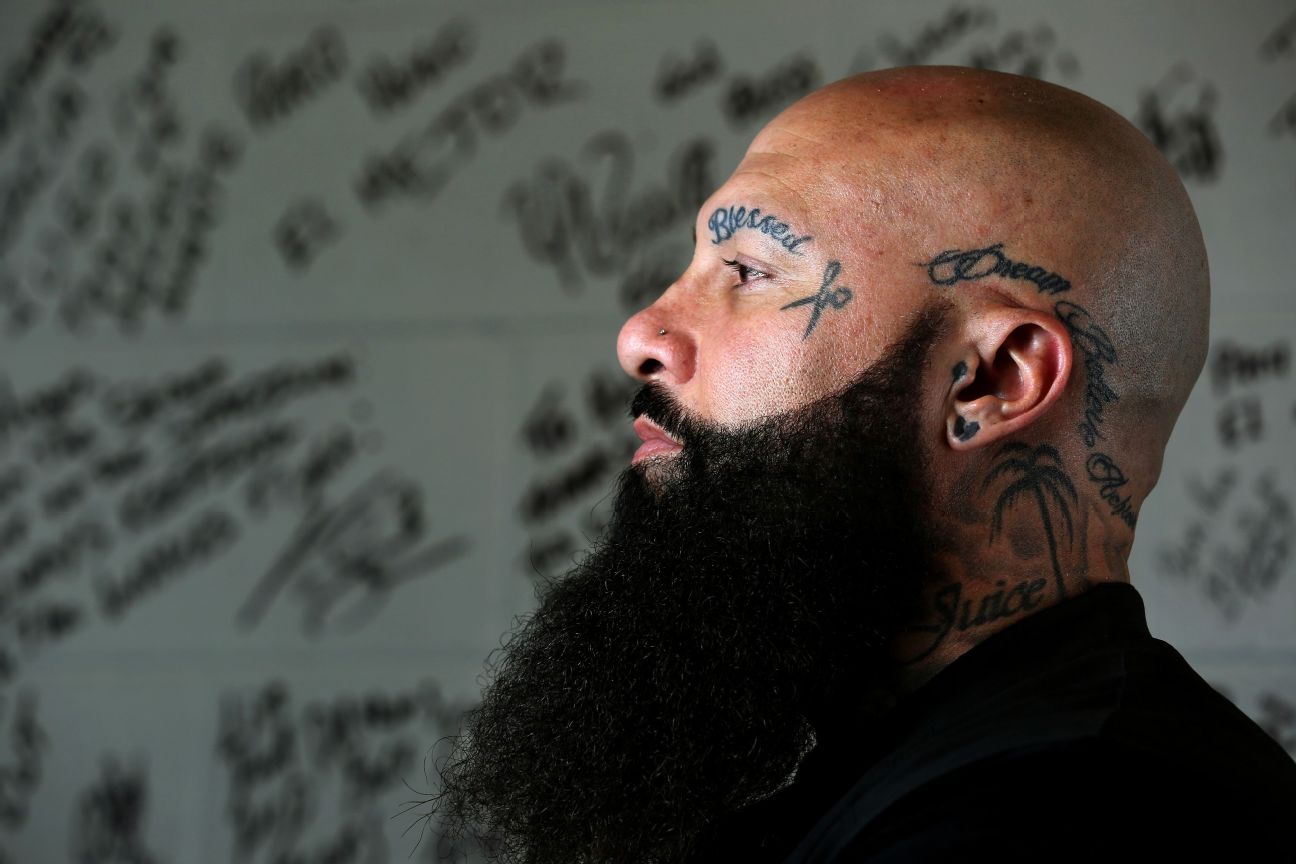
x=1015 y=365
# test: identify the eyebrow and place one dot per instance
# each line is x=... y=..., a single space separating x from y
x=725 y=222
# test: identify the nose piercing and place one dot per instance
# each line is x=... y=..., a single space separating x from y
x=661 y=332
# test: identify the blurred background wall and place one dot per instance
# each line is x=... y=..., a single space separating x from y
x=307 y=322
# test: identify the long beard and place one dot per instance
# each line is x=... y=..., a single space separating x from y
x=741 y=587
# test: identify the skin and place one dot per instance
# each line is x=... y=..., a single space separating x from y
x=884 y=172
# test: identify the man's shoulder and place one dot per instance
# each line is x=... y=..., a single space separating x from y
x=1167 y=711
x=1114 y=725
x=1077 y=799
x=1101 y=679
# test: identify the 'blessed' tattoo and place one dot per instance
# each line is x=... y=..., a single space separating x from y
x=968 y=265
x=725 y=222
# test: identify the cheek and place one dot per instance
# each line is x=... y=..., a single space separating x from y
x=756 y=373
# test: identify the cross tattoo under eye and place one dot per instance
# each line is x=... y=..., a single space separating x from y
x=827 y=296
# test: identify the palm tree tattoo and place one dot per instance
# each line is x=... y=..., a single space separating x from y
x=1037 y=472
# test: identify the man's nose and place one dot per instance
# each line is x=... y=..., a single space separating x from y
x=655 y=346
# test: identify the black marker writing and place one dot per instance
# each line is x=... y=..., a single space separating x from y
x=1188 y=136
x=1280 y=42
x=957 y=22
x=1240 y=421
x=548 y=428
x=543 y=498
x=20 y=773
x=364 y=543
x=679 y=77
x=77 y=32
x=260 y=392
x=212 y=466
x=60 y=556
x=291 y=768
x=423 y=162
x=1277 y=716
x=387 y=86
x=1024 y=52
x=563 y=223
x=206 y=536
x=302 y=232
x=1284 y=120
x=654 y=271
x=110 y=816
x=1245 y=564
x=1237 y=365
x=751 y=97
x=303 y=485
x=269 y=92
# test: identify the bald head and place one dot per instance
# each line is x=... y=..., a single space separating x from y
x=941 y=159
x=912 y=387
x=1066 y=256
x=1060 y=249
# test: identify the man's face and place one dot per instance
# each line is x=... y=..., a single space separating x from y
x=745 y=588
x=748 y=583
x=792 y=291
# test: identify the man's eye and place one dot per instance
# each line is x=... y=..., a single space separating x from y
x=744 y=272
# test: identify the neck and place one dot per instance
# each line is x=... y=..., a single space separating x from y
x=963 y=607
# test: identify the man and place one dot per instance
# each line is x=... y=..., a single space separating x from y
x=900 y=415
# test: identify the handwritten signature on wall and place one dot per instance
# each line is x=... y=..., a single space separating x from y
x=286 y=764
x=135 y=484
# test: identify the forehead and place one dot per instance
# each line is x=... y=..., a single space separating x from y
x=844 y=193
x=776 y=179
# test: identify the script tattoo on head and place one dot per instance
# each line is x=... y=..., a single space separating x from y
x=1096 y=345
x=953 y=266
x=725 y=222
x=826 y=296
x=1099 y=352
x=968 y=265
x=1109 y=478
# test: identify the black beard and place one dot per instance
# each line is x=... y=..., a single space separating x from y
x=744 y=586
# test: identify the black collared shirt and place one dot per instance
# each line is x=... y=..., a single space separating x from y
x=1069 y=735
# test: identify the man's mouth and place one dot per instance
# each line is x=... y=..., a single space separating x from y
x=655 y=440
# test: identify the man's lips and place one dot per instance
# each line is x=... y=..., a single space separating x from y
x=654 y=439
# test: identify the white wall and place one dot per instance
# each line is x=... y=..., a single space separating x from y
x=305 y=373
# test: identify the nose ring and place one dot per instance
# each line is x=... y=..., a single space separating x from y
x=661 y=332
